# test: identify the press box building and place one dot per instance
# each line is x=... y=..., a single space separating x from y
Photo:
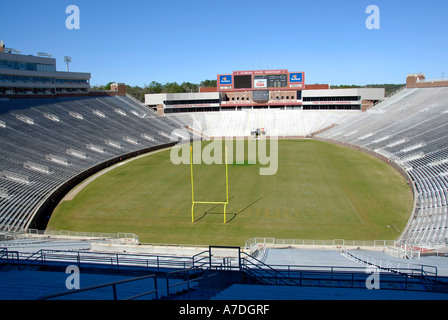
x=29 y=75
x=265 y=89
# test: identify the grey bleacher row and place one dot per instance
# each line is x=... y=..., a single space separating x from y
x=411 y=129
x=46 y=142
x=278 y=123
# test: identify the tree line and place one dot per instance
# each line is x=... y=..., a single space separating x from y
x=156 y=87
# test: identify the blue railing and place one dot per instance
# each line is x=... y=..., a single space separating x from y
x=112 y=261
x=190 y=275
x=114 y=289
x=423 y=278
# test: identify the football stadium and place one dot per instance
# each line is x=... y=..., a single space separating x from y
x=263 y=187
x=104 y=182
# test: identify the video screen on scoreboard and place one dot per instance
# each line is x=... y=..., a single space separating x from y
x=242 y=82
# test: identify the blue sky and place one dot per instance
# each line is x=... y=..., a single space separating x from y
x=139 y=41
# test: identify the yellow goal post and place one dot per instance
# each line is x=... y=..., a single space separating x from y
x=193 y=202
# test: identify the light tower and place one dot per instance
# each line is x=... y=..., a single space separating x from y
x=67 y=60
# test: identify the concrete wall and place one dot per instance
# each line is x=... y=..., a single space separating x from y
x=364 y=93
x=179 y=250
x=159 y=98
x=418 y=80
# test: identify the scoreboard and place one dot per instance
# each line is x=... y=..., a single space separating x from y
x=270 y=81
x=261 y=79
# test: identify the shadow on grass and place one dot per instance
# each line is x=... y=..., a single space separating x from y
x=233 y=214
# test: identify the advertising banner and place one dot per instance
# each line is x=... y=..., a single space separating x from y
x=225 y=79
x=260 y=83
x=296 y=77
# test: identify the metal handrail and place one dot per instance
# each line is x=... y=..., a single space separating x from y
x=115 y=260
x=417 y=271
x=168 y=286
x=282 y=274
x=317 y=243
x=112 y=284
x=260 y=264
x=200 y=259
x=7 y=253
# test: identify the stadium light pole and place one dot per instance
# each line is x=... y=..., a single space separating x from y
x=67 y=60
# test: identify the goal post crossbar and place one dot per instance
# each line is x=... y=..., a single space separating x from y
x=211 y=202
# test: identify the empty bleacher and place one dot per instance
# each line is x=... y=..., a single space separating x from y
x=411 y=129
x=272 y=292
x=278 y=123
x=31 y=284
x=43 y=274
x=47 y=142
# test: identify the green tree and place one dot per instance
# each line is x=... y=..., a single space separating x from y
x=172 y=87
x=154 y=87
x=190 y=87
x=208 y=83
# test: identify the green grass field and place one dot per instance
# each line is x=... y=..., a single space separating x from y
x=320 y=191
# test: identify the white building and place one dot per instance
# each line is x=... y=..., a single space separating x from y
x=36 y=75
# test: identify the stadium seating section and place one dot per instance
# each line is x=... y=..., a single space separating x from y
x=47 y=142
x=411 y=129
x=281 y=123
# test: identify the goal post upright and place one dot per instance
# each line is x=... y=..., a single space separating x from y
x=193 y=202
x=192 y=187
x=227 y=187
